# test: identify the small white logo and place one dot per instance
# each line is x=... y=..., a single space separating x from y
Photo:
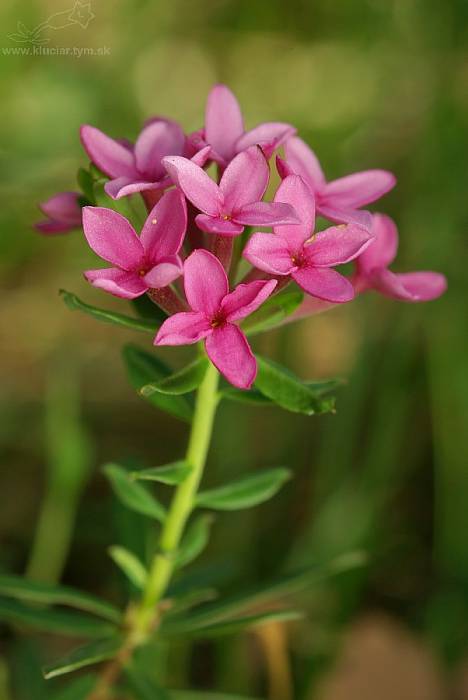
x=80 y=14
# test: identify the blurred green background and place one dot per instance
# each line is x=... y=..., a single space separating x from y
x=376 y=83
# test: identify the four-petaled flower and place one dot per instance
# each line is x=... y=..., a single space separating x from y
x=63 y=211
x=338 y=200
x=236 y=201
x=137 y=168
x=140 y=262
x=224 y=129
x=291 y=251
x=214 y=313
x=372 y=268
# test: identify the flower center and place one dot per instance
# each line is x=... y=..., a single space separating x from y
x=299 y=259
x=217 y=321
x=226 y=217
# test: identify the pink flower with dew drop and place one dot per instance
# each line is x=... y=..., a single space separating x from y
x=372 y=268
x=224 y=129
x=291 y=251
x=338 y=200
x=234 y=203
x=213 y=315
x=63 y=211
x=137 y=168
x=139 y=262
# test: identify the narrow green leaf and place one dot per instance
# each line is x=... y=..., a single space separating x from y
x=319 y=387
x=131 y=566
x=146 y=308
x=171 y=474
x=288 y=391
x=273 y=311
x=37 y=592
x=133 y=495
x=86 y=184
x=136 y=324
x=242 y=623
x=73 y=624
x=85 y=655
x=270 y=592
x=195 y=540
x=186 y=380
x=191 y=599
x=146 y=368
x=246 y=492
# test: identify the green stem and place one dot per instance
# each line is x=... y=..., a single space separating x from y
x=182 y=505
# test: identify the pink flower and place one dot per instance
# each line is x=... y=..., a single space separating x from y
x=224 y=129
x=236 y=201
x=138 y=168
x=340 y=199
x=373 y=273
x=63 y=211
x=139 y=262
x=291 y=251
x=214 y=313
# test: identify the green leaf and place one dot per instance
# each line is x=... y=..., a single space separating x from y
x=85 y=655
x=195 y=540
x=186 y=380
x=268 y=593
x=171 y=474
x=288 y=391
x=73 y=624
x=37 y=592
x=273 y=311
x=188 y=600
x=146 y=308
x=241 y=623
x=136 y=324
x=145 y=368
x=86 y=184
x=134 y=496
x=246 y=492
x=319 y=387
x=131 y=566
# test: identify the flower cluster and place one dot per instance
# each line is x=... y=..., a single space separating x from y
x=186 y=257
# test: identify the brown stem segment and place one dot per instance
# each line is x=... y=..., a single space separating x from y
x=167 y=299
x=151 y=197
x=222 y=247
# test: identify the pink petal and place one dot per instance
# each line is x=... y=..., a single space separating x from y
x=184 y=328
x=337 y=245
x=51 y=228
x=216 y=224
x=358 y=189
x=324 y=284
x=63 y=207
x=164 y=272
x=244 y=180
x=158 y=139
x=205 y=282
x=284 y=168
x=340 y=215
x=202 y=156
x=269 y=136
x=164 y=230
x=246 y=298
x=410 y=286
x=229 y=351
x=112 y=237
x=124 y=186
x=109 y=155
x=270 y=253
x=266 y=214
x=305 y=163
x=294 y=191
x=223 y=121
x=120 y=283
x=383 y=249
x=197 y=186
